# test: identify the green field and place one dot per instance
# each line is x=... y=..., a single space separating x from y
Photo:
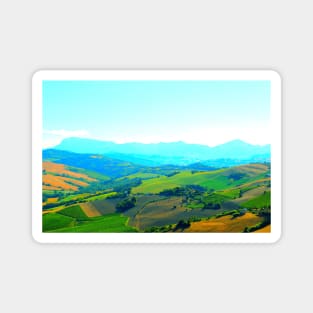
x=262 y=201
x=231 y=193
x=112 y=223
x=141 y=175
x=73 y=211
x=164 y=197
x=101 y=196
x=216 y=180
x=156 y=185
x=75 y=197
x=54 y=221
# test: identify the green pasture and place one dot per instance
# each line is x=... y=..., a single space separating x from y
x=262 y=201
x=210 y=180
x=54 y=221
x=112 y=223
x=74 y=211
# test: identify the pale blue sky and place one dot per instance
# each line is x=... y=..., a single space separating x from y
x=205 y=112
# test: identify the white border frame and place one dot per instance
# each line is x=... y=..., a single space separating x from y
x=270 y=75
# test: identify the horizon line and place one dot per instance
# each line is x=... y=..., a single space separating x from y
x=156 y=143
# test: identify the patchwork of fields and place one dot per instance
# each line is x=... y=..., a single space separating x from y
x=58 y=177
x=134 y=198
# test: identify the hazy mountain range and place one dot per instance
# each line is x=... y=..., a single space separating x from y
x=178 y=153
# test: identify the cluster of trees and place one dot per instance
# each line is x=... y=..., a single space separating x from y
x=253 y=228
x=182 y=224
x=159 y=229
x=187 y=191
x=211 y=206
x=177 y=191
x=54 y=194
x=126 y=204
x=172 y=173
x=234 y=213
x=195 y=194
x=266 y=214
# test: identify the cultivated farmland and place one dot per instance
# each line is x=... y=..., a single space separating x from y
x=110 y=195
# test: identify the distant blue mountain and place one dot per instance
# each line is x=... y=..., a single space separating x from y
x=178 y=153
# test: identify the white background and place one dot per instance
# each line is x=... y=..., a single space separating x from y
x=155 y=34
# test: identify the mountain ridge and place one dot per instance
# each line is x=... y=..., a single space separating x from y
x=178 y=152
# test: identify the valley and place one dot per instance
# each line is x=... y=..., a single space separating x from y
x=97 y=192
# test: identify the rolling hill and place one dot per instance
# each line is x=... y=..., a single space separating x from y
x=89 y=192
x=60 y=177
x=215 y=180
x=102 y=165
x=99 y=164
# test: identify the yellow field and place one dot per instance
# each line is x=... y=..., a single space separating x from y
x=61 y=182
x=224 y=224
x=61 y=169
x=89 y=209
x=53 y=181
x=52 y=200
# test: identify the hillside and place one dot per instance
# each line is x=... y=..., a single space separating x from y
x=100 y=164
x=60 y=177
x=215 y=180
x=224 y=224
x=103 y=165
x=98 y=193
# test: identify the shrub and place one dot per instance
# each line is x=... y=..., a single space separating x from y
x=182 y=224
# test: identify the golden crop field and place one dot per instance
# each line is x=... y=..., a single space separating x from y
x=61 y=182
x=61 y=169
x=225 y=224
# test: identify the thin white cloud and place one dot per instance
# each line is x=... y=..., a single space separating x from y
x=52 y=138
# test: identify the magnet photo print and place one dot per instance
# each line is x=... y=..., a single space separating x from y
x=156 y=156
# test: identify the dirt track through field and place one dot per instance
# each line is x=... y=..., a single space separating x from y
x=89 y=209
